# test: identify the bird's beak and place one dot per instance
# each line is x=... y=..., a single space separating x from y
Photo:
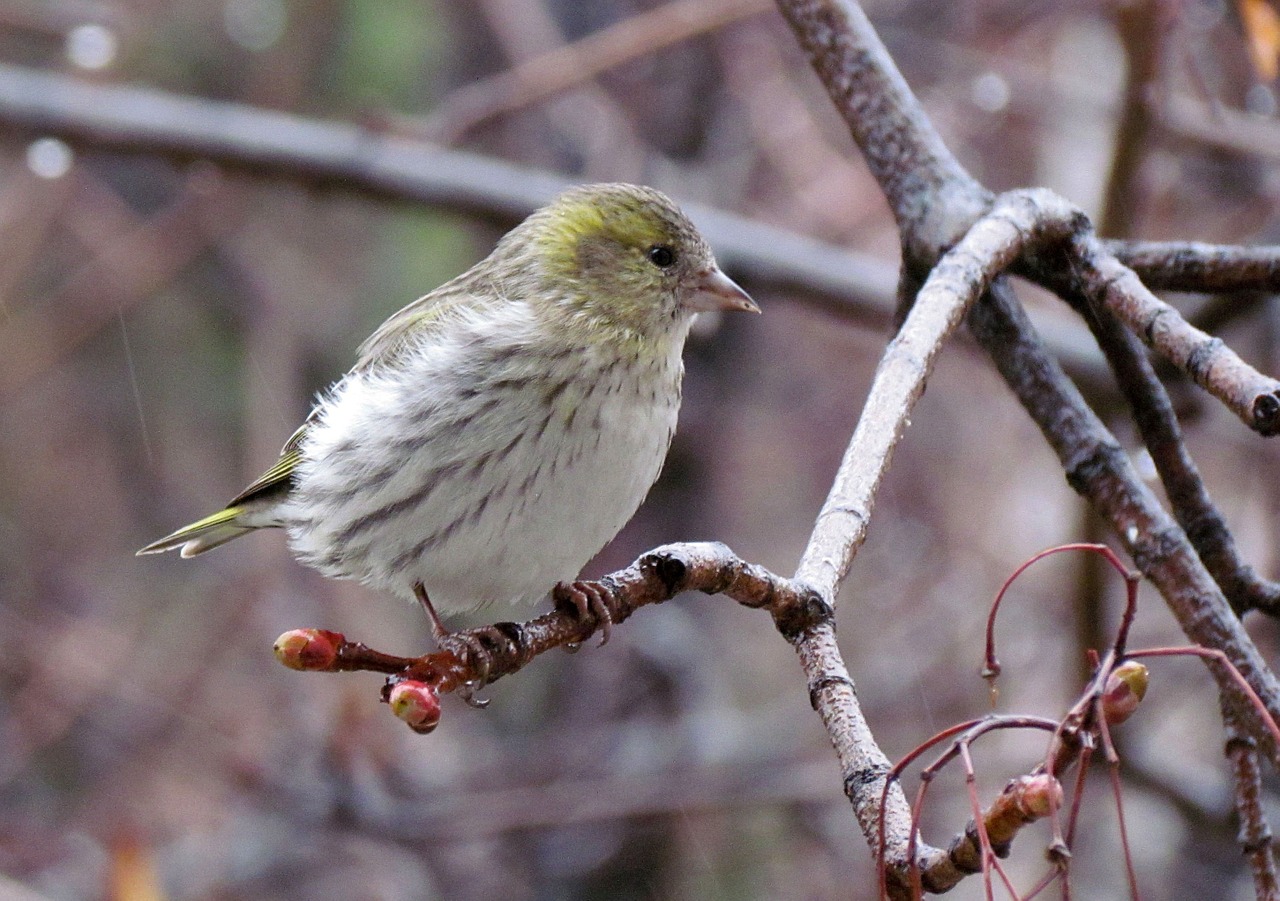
x=713 y=290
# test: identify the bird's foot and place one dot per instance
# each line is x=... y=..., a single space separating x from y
x=587 y=600
x=477 y=649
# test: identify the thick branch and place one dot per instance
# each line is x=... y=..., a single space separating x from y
x=962 y=275
x=370 y=159
x=959 y=278
x=832 y=278
x=1192 y=505
x=933 y=198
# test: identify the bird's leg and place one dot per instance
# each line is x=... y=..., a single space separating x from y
x=438 y=628
x=585 y=598
x=475 y=648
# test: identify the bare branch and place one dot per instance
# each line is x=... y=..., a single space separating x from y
x=959 y=278
x=1193 y=266
x=657 y=576
x=1253 y=397
x=907 y=156
x=366 y=158
x=1255 y=835
x=1192 y=506
x=1135 y=23
x=834 y=279
x=1017 y=219
x=1097 y=467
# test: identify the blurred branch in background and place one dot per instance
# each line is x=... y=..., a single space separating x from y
x=386 y=164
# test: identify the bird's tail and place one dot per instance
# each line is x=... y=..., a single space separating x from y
x=204 y=534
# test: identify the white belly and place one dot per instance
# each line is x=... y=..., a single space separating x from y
x=480 y=480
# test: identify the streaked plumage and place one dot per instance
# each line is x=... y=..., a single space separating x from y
x=496 y=433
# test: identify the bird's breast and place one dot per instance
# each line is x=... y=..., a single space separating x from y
x=488 y=475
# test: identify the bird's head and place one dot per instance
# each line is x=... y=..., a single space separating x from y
x=625 y=260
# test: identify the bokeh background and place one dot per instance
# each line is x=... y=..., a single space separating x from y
x=165 y=323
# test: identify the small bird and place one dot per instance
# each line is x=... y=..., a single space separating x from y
x=496 y=433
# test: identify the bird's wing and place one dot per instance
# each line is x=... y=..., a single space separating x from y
x=422 y=318
x=278 y=476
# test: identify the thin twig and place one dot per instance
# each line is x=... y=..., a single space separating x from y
x=657 y=576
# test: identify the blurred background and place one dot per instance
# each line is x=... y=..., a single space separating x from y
x=165 y=322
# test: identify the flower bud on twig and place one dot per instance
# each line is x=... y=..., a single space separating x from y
x=416 y=703
x=1125 y=689
x=308 y=649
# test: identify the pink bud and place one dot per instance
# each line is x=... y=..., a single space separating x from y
x=1125 y=689
x=1039 y=795
x=308 y=649
x=417 y=703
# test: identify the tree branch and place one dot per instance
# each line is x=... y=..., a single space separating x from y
x=1254 y=837
x=573 y=64
x=1194 y=266
x=838 y=281
x=1098 y=469
x=1192 y=505
x=933 y=198
x=1218 y=369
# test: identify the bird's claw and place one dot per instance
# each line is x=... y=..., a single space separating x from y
x=587 y=599
x=476 y=650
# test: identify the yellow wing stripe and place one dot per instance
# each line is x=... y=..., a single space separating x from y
x=280 y=473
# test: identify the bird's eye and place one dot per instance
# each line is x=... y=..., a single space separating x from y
x=662 y=256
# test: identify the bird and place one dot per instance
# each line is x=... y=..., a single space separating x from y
x=496 y=433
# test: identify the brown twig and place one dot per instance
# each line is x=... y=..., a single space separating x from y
x=991 y=831
x=657 y=576
x=603 y=135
